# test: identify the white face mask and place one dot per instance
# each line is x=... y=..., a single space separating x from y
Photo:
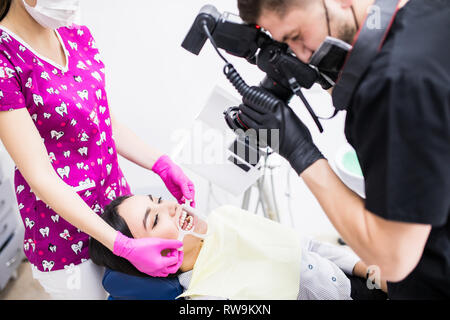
x=54 y=14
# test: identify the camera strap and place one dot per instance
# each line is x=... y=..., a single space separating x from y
x=368 y=43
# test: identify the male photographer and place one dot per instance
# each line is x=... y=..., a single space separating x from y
x=398 y=121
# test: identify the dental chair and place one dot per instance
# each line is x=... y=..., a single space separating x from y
x=121 y=286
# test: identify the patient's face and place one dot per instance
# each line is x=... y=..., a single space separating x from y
x=147 y=216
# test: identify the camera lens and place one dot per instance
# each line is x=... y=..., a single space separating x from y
x=231 y=118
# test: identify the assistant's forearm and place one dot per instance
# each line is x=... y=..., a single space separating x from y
x=31 y=158
x=132 y=147
x=69 y=205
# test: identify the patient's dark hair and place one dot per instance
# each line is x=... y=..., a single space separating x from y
x=5 y=5
x=101 y=255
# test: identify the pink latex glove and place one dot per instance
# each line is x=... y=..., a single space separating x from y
x=145 y=254
x=175 y=180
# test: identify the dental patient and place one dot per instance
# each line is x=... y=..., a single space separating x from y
x=240 y=256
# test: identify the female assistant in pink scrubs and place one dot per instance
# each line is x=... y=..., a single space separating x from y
x=56 y=125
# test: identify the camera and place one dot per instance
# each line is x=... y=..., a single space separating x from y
x=285 y=74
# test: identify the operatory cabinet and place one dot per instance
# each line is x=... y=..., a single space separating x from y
x=11 y=229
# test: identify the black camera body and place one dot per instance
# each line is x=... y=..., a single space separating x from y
x=285 y=74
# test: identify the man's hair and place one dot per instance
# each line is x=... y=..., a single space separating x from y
x=251 y=10
x=104 y=257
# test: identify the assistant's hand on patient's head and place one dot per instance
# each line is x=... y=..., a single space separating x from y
x=146 y=218
x=147 y=238
x=145 y=254
x=147 y=241
x=181 y=187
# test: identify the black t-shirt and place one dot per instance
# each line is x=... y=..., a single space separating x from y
x=399 y=124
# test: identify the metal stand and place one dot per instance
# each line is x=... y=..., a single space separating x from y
x=246 y=199
x=270 y=210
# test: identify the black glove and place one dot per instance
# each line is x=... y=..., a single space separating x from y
x=295 y=142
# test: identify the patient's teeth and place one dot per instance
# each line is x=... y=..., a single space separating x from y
x=186 y=221
x=190 y=222
x=182 y=218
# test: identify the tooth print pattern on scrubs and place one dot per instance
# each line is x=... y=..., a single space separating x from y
x=69 y=107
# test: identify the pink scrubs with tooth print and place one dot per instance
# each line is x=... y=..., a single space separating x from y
x=69 y=107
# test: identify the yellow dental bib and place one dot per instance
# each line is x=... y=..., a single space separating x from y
x=246 y=257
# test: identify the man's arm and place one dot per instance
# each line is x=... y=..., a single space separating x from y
x=404 y=172
x=395 y=247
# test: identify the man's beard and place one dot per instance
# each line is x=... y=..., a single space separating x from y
x=347 y=33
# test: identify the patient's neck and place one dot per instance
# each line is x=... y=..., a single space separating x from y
x=190 y=255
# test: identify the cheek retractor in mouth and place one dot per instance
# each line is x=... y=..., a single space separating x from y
x=186 y=221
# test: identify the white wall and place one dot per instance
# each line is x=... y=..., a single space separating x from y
x=155 y=86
